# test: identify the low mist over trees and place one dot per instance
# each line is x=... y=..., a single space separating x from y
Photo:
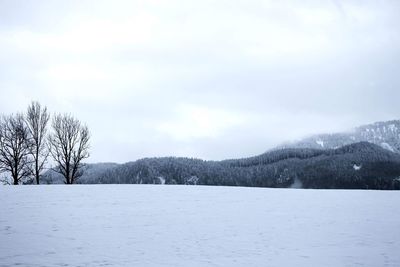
x=26 y=143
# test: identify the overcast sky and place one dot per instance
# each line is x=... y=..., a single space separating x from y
x=206 y=79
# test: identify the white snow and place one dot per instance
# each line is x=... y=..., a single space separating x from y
x=161 y=179
x=357 y=167
x=320 y=142
x=197 y=226
x=387 y=146
x=392 y=127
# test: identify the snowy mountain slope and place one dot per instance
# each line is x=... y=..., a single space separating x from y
x=180 y=226
x=385 y=134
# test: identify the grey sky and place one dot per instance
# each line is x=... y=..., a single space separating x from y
x=208 y=79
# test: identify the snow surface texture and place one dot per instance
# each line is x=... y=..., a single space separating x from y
x=196 y=226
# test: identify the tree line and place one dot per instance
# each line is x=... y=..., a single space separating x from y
x=31 y=141
x=360 y=165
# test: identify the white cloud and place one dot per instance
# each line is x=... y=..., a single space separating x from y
x=197 y=75
x=192 y=122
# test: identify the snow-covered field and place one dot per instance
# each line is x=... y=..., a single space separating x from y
x=196 y=226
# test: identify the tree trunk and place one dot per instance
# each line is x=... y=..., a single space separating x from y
x=37 y=171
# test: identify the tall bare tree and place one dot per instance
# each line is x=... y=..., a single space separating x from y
x=69 y=145
x=14 y=149
x=37 y=119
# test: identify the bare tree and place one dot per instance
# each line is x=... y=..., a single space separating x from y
x=37 y=119
x=69 y=145
x=14 y=150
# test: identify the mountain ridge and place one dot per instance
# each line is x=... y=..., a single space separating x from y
x=383 y=133
x=354 y=165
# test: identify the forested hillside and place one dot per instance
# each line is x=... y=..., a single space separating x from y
x=361 y=165
x=366 y=158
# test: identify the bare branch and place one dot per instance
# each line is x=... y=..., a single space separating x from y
x=14 y=151
x=37 y=119
x=69 y=145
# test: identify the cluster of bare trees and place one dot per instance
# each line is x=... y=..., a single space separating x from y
x=28 y=143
